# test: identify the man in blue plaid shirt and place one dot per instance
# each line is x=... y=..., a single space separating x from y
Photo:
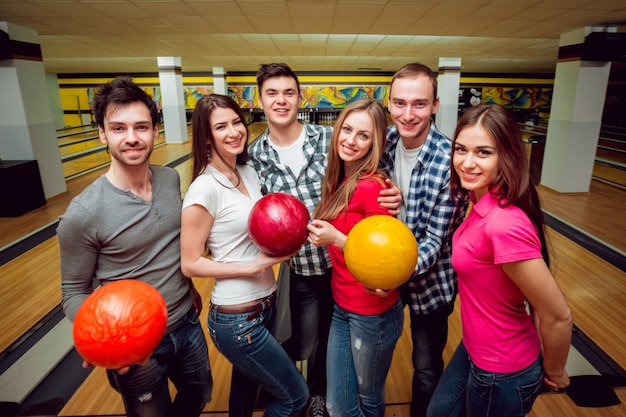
x=291 y=157
x=418 y=160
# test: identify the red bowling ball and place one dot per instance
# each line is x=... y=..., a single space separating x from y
x=120 y=324
x=277 y=224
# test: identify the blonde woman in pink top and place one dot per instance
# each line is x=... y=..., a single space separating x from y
x=517 y=325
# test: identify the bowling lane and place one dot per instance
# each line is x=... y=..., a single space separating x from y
x=81 y=145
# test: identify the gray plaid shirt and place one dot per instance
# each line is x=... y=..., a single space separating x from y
x=432 y=215
x=306 y=185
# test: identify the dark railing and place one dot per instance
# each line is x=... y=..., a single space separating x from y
x=610 y=157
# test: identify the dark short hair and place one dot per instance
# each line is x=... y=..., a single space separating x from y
x=121 y=91
x=267 y=71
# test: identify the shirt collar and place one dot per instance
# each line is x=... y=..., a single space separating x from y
x=484 y=205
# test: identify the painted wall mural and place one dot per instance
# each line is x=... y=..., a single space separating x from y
x=246 y=96
x=518 y=98
x=527 y=102
x=338 y=97
x=193 y=94
x=312 y=96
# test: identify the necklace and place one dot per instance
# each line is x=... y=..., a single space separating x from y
x=220 y=183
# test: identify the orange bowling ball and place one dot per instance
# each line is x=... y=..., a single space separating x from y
x=381 y=252
x=119 y=324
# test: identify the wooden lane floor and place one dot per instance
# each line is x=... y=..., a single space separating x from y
x=96 y=398
x=598 y=313
x=30 y=282
x=30 y=285
x=610 y=157
x=598 y=212
x=65 y=141
x=610 y=172
x=14 y=228
x=84 y=156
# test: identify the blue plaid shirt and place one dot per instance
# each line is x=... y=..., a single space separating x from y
x=432 y=216
x=306 y=185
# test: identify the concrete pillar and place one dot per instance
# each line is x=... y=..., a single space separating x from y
x=219 y=81
x=55 y=101
x=27 y=129
x=448 y=86
x=173 y=99
x=575 y=116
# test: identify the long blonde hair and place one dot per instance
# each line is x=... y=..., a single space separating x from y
x=336 y=193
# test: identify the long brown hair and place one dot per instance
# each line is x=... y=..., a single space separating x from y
x=336 y=193
x=512 y=185
x=203 y=142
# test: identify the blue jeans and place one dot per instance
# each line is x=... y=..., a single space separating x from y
x=181 y=356
x=246 y=340
x=466 y=390
x=360 y=349
x=429 y=334
x=311 y=304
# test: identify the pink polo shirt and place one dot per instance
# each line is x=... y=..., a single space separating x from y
x=498 y=332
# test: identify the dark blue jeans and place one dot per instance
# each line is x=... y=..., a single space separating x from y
x=246 y=340
x=466 y=390
x=311 y=304
x=182 y=357
x=429 y=333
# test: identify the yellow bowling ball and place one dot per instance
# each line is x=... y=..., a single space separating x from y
x=381 y=252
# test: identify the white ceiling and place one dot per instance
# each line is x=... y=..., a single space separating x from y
x=490 y=36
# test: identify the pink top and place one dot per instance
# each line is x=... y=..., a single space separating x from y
x=348 y=293
x=498 y=332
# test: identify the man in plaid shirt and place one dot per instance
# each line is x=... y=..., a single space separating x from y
x=418 y=160
x=291 y=157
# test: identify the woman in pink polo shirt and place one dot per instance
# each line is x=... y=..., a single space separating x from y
x=516 y=323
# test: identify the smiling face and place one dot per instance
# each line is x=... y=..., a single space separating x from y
x=412 y=103
x=129 y=134
x=475 y=159
x=280 y=99
x=229 y=133
x=355 y=138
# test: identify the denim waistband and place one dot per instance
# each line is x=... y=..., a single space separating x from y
x=178 y=323
x=254 y=309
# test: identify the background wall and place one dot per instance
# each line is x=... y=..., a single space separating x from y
x=528 y=97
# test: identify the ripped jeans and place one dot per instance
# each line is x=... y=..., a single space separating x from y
x=182 y=357
x=360 y=349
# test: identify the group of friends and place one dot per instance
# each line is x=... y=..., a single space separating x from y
x=468 y=200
